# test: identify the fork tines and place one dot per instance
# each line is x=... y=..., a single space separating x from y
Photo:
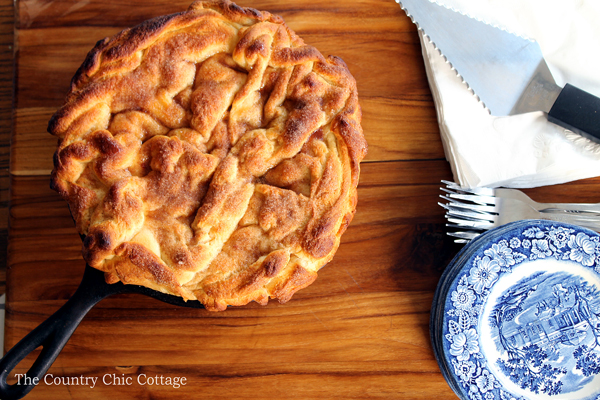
x=469 y=212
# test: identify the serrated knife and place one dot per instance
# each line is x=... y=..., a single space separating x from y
x=506 y=71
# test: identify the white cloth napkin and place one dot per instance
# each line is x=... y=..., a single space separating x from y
x=522 y=150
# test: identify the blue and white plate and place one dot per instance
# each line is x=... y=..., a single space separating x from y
x=516 y=314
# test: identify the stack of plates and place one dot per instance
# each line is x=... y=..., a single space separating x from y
x=516 y=314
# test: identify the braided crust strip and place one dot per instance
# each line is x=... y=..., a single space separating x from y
x=210 y=154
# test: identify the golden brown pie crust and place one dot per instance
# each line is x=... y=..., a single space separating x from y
x=210 y=154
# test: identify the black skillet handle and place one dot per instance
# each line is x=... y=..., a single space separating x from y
x=52 y=335
x=578 y=111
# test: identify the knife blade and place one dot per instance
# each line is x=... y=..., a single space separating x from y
x=506 y=72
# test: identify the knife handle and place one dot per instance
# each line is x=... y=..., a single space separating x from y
x=578 y=111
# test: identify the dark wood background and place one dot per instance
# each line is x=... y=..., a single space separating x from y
x=360 y=331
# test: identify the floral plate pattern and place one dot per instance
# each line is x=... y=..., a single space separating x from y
x=517 y=314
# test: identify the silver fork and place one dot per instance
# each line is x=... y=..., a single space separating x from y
x=470 y=212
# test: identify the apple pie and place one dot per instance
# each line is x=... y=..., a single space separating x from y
x=210 y=154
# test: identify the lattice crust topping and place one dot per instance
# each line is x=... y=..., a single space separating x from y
x=211 y=155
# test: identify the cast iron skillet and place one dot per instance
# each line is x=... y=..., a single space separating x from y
x=55 y=332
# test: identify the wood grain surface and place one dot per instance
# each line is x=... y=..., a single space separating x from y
x=360 y=331
x=6 y=102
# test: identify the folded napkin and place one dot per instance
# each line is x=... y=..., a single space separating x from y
x=522 y=150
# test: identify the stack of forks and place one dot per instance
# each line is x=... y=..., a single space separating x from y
x=471 y=212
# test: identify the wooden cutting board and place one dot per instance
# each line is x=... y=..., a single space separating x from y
x=360 y=331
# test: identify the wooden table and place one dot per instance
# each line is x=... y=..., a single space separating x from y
x=360 y=331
